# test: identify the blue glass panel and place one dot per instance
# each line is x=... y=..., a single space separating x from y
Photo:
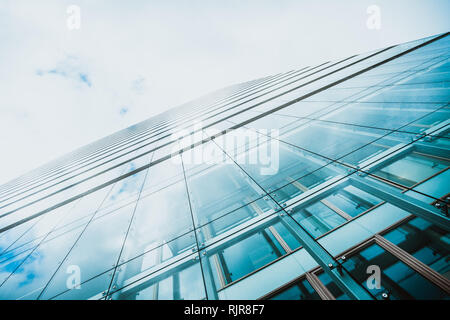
x=412 y=168
x=299 y=291
x=317 y=218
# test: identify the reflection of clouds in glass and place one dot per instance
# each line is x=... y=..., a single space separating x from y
x=37 y=268
x=28 y=279
x=127 y=185
x=19 y=239
x=44 y=259
x=100 y=242
x=156 y=213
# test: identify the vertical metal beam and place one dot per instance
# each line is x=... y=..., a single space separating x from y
x=211 y=290
x=342 y=279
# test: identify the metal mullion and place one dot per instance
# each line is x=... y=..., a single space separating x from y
x=343 y=214
x=156 y=285
x=319 y=287
x=327 y=203
x=390 y=183
x=358 y=199
x=219 y=270
x=431 y=155
x=272 y=230
x=280 y=239
x=277 y=236
x=415 y=264
x=444 y=127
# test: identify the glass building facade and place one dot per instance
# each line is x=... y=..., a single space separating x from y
x=351 y=203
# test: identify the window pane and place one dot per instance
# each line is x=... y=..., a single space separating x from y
x=221 y=223
x=299 y=291
x=412 y=169
x=217 y=190
x=245 y=256
x=290 y=188
x=96 y=251
x=153 y=222
x=352 y=201
x=317 y=218
x=184 y=284
x=332 y=287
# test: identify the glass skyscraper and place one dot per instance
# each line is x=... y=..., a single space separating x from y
x=328 y=182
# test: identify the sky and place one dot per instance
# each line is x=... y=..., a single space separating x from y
x=64 y=85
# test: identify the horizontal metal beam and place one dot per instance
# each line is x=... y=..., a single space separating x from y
x=401 y=200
